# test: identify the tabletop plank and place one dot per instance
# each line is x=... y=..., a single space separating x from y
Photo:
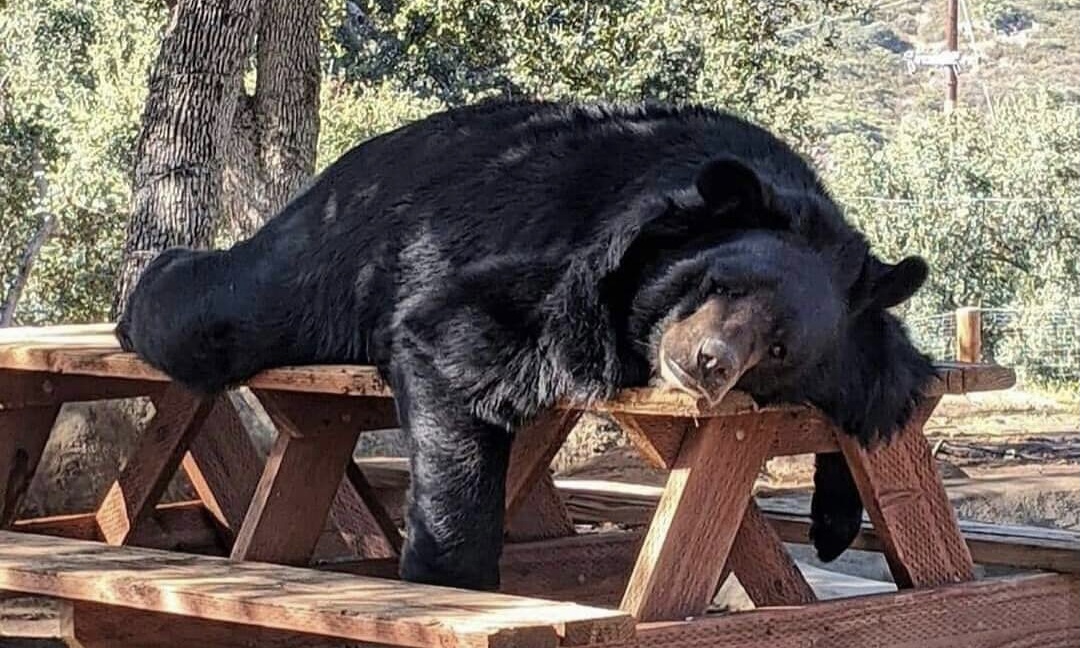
x=92 y=350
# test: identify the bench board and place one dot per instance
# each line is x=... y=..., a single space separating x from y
x=299 y=600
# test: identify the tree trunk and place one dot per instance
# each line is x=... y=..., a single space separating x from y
x=186 y=125
x=275 y=135
x=201 y=133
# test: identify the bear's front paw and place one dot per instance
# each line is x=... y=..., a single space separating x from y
x=833 y=533
x=448 y=571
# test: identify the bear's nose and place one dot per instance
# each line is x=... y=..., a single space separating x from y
x=715 y=360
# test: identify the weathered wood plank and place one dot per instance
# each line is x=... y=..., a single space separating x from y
x=93 y=350
x=764 y=567
x=698 y=515
x=541 y=516
x=1020 y=612
x=177 y=526
x=314 y=414
x=298 y=600
x=152 y=463
x=906 y=501
x=596 y=502
x=23 y=435
x=991 y=621
x=106 y=626
x=20 y=389
x=223 y=467
x=532 y=451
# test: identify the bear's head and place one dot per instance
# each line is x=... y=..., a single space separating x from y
x=179 y=319
x=772 y=292
x=747 y=310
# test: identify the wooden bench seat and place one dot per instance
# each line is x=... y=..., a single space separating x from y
x=298 y=600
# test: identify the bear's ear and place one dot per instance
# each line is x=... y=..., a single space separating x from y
x=747 y=201
x=885 y=285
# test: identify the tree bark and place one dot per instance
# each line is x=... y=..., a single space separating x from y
x=287 y=96
x=275 y=134
x=186 y=124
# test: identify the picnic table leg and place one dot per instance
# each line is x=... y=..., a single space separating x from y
x=534 y=508
x=698 y=516
x=23 y=435
x=764 y=567
x=542 y=515
x=907 y=504
x=152 y=463
x=305 y=480
x=223 y=467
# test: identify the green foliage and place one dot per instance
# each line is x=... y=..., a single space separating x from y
x=352 y=113
x=991 y=203
x=734 y=55
x=74 y=91
x=1043 y=341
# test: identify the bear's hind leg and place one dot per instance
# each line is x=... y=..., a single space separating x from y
x=456 y=498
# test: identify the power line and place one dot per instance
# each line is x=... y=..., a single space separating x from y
x=967 y=200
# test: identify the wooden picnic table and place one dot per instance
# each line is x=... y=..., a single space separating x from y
x=309 y=501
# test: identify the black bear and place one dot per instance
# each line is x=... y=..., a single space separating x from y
x=493 y=259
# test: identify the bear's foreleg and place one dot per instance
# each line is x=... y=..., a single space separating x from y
x=456 y=498
x=836 y=508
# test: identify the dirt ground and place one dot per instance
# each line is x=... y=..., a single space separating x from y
x=1009 y=457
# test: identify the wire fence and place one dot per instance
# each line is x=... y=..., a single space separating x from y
x=1041 y=344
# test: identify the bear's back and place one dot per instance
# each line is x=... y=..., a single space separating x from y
x=504 y=177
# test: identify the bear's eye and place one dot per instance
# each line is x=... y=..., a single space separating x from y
x=777 y=351
x=729 y=292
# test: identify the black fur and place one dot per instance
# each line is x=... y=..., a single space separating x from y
x=493 y=259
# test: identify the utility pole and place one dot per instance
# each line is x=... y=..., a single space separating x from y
x=951 y=45
x=949 y=59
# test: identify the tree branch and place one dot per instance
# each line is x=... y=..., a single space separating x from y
x=33 y=248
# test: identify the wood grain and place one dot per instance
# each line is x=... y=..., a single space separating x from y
x=152 y=463
x=292 y=500
x=542 y=515
x=223 y=467
x=1020 y=612
x=106 y=626
x=362 y=519
x=532 y=451
x=23 y=435
x=903 y=494
x=764 y=567
x=598 y=502
x=698 y=515
x=20 y=389
x=176 y=526
x=93 y=351
x=359 y=518
x=657 y=438
x=314 y=414
x=299 y=600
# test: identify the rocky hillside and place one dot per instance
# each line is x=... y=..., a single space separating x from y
x=1017 y=44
